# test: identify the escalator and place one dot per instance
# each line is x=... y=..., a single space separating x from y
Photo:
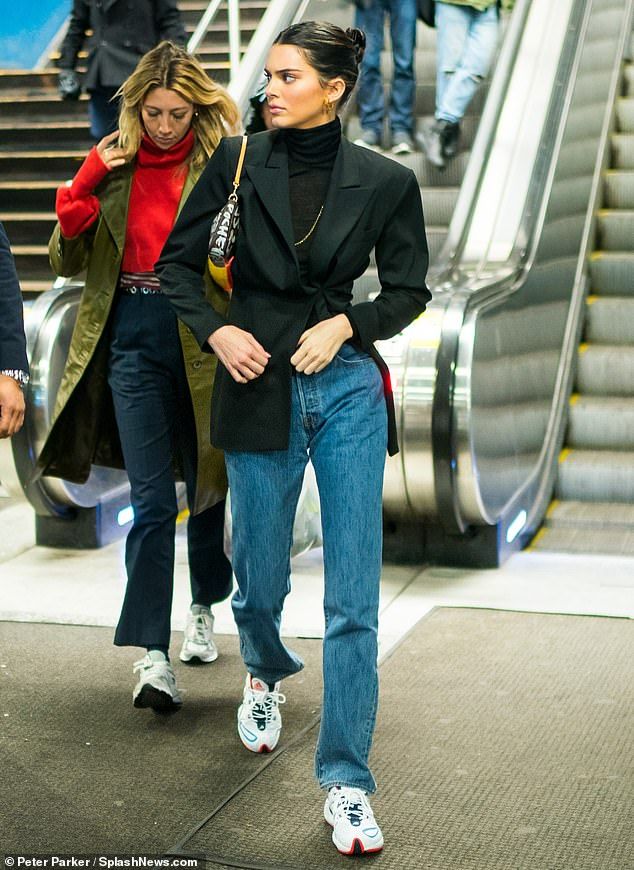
x=482 y=380
x=593 y=508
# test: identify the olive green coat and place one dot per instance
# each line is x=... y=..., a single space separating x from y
x=84 y=430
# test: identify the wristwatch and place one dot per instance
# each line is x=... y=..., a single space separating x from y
x=18 y=375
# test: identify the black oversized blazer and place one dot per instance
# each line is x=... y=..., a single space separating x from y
x=12 y=341
x=372 y=202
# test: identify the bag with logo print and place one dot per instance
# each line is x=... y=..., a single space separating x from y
x=222 y=236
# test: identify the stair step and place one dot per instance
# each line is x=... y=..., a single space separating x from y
x=28 y=228
x=596 y=475
x=54 y=134
x=31 y=262
x=22 y=195
x=54 y=165
x=42 y=107
x=615 y=229
x=611 y=273
x=618 y=189
x=609 y=320
x=604 y=369
x=601 y=422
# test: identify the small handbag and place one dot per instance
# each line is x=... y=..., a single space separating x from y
x=224 y=229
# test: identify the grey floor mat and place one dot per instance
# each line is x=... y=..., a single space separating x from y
x=82 y=771
x=503 y=743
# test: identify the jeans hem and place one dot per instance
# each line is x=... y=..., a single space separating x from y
x=347 y=784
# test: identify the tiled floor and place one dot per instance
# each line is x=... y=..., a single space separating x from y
x=38 y=584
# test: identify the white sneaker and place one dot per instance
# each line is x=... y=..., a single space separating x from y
x=259 y=720
x=198 y=642
x=157 y=686
x=354 y=828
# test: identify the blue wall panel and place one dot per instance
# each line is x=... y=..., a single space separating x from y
x=26 y=29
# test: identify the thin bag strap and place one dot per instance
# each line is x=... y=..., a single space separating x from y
x=243 y=149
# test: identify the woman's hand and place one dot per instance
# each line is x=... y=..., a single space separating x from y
x=319 y=344
x=111 y=155
x=244 y=358
x=11 y=406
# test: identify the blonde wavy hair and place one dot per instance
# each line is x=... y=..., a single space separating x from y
x=171 y=67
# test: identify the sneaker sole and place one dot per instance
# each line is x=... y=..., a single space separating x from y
x=189 y=658
x=158 y=701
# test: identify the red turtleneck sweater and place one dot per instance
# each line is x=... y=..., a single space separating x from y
x=157 y=187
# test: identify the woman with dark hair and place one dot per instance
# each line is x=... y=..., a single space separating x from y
x=136 y=388
x=300 y=379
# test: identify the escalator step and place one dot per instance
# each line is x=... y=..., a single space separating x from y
x=604 y=369
x=608 y=542
x=625 y=114
x=601 y=423
x=616 y=230
x=610 y=320
x=593 y=514
x=611 y=273
x=596 y=475
x=623 y=150
x=618 y=189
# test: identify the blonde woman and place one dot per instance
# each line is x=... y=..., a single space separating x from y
x=136 y=388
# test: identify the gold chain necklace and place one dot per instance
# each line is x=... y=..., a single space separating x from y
x=311 y=230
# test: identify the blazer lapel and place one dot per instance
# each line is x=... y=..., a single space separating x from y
x=345 y=202
x=269 y=176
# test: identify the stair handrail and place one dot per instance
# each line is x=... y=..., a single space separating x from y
x=233 y=19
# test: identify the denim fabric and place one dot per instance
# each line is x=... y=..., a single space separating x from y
x=154 y=417
x=103 y=112
x=370 y=95
x=338 y=419
x=465 y=46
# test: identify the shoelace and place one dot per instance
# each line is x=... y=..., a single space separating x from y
x=263 y=708
x=198 y=629
x=353 y=806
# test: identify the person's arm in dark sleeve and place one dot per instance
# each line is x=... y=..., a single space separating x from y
x=12 y=341
x=183 y=260
x=169 y=22
x=75 y=35
x=402 y=258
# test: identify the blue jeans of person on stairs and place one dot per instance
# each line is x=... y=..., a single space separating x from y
x=466 y=40
x=370 y=96
x=339 y=421
x=155 y=419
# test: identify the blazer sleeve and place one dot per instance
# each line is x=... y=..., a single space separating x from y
x=402 y=258
x=13 y=358
x=183 y=260
x=169 y=22
x=75 y=35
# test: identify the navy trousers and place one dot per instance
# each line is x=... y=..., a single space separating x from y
x=155 y=419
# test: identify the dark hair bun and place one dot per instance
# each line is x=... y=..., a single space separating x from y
x=357 y=38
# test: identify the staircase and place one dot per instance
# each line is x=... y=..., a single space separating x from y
x=593 y=511
x=43 y=140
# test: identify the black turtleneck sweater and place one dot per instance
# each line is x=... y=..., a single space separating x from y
x=311 y=156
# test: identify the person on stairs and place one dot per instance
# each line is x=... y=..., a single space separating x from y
x=370 y=18
x=121 y=33
x=467 y=38
x=136 y=389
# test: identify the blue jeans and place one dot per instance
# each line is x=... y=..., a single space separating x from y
x=155 y=419
x=403 y=36
x=465 y=46
x=103 y=112
x=338 y=419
